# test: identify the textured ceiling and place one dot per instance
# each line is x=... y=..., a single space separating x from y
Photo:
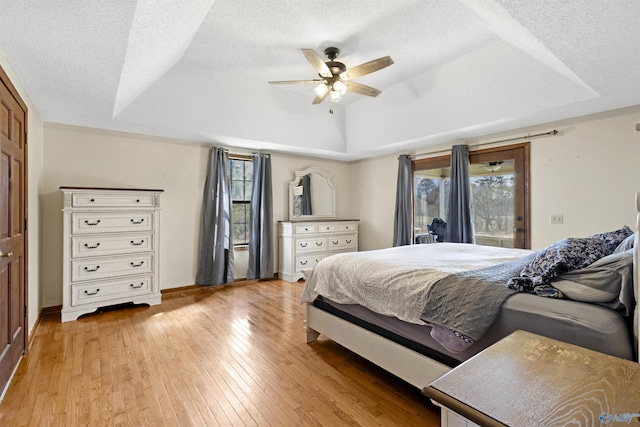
x=198 y=69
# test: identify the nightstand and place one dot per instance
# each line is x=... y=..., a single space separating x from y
x=529 y=380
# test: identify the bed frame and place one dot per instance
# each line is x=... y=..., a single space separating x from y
x=413 y=367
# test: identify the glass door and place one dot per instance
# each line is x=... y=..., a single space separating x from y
x=499 y=187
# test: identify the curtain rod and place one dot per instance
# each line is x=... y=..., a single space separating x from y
x=537 y=135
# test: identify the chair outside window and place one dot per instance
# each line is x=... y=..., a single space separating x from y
x=438 y=229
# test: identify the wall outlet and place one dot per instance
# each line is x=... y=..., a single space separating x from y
x=556 y=218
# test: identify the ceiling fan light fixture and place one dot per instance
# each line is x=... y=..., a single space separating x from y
x=335 y=79
x=340 y=87
x=321 y=90
x=493 y=166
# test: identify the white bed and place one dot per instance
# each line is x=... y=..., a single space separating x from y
x=419 y=369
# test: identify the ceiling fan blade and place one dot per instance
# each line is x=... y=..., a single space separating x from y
x=362 y=89
x=319 y=99
x=317 y=62
x=295 y=82
x=366 y=68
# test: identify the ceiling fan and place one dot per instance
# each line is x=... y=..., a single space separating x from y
x=335 y=79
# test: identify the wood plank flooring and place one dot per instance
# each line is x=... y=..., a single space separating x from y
x=233 y=355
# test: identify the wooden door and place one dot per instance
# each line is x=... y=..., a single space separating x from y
x=13 y=313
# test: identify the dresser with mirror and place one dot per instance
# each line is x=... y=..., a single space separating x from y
x=313 y=231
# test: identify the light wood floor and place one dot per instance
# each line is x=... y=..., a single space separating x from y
x=233 y=355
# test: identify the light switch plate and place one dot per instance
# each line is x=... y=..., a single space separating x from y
x=556 y=218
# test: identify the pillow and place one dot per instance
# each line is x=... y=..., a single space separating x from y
x=626 y=244
x=613 y=238
x=609 y=281
x=560 y=257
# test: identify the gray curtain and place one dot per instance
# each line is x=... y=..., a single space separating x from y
x=306 y=195
x=403 y=222
x=261 y=237
x=460 y=214
x=215 y=253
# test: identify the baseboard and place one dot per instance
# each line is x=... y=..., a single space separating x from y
x=50 y=310
x=43 y=312
x=193 y=287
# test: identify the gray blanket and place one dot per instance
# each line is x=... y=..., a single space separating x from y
x=468 y=302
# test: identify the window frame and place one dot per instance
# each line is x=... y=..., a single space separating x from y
x=248 y=159
x=520 y=154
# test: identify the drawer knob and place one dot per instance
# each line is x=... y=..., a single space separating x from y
x=137 y=286
x=137 y=244
x=91 y=223
x=91 y=247
x=137 y=265
x=137 y=222
x=91 y=270
x=335 y=242
x=137 y=200
x=92 y=200
x=303 y=262
x=318 y=243
x=6 y=255
x=92 y=293
x=348 y=241
x=303 y=245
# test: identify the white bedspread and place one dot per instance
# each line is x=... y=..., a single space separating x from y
x=394 y=281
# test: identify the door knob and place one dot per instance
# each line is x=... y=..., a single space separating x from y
x=5 y=255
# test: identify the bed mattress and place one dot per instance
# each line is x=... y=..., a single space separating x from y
x=587 y=325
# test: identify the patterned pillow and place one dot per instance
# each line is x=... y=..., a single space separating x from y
x=561 y=257
x=613 y=238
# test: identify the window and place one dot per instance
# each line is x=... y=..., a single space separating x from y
x=493 y=187
x=241 y=183
x=499 y=183
x=431 y=194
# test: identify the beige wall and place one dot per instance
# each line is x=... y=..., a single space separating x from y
x=35 y=163
x=587 y=172
x=77 y=156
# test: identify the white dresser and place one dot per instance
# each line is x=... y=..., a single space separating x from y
x=110 y=248
x=304 y=243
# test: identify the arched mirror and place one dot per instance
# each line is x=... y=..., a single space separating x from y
x=311 y=195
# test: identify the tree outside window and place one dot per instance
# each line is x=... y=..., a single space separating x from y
x=493 y=205
x=241 y=185
x=429 y=199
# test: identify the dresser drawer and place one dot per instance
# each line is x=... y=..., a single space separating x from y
x=305 y=263
x=318 y=244
x=327 y=228
x=90 y=222
x=105 y=244
x=107 y=290
x=342 y=243
x=100 y=268
x=348 y=227
x=105 y=200
x=305 y=229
